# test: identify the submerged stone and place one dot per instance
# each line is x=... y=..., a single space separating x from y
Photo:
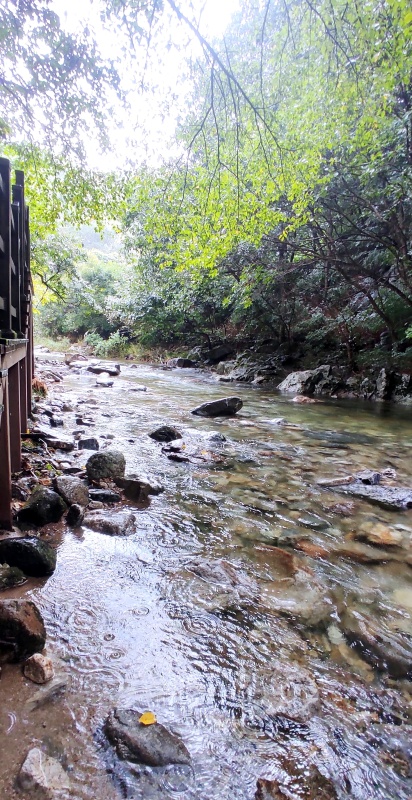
x=153 y=745
x=42 y=775
x=304 y=784
x=380 y=645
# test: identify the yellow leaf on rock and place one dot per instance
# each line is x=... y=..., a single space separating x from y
x=148 y=718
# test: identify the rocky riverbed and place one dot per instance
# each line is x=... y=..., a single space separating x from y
x=219 y=603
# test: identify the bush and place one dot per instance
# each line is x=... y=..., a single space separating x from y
x=115 y=345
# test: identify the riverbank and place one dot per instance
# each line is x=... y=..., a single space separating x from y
x=263 y=613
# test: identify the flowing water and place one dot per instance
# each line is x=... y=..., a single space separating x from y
x=249 y=664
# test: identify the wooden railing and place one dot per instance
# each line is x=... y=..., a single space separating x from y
x=16 y=331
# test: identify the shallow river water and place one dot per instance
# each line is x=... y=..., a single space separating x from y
x=250 y=660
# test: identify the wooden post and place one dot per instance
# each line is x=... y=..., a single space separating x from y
x=14 y=417
x=6 y=331
x=5 y=469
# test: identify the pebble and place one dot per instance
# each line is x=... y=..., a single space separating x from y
x=39 y=668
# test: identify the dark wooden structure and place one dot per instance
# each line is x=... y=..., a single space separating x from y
x=16 y=330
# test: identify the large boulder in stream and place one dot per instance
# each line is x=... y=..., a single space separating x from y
x=106 y=464
x=118 y=523
x=153 y=744
x=42 y=507
x=309 y=381
x=226 y=406
x=31 y=555
x=22 y=630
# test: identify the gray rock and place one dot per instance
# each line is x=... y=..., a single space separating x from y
x=72 y=490
x=42 y=775
x=111 y=369
x=153 y=744
x=104 y=495
x=104 y=380
x=106 y=464
x=10 y=576
x=389 y=497
x=75 y=515
x=22 y=630
x=219 y=351
x=227 y=406
x=305 y=381
x=165 y=434
x=56 y=422
x=138 y=489
x=380 y=645
x=310 y=784
x=119 y=523
x=183 y=363
x=31 y=555
x=42 y=507
x=88 y=444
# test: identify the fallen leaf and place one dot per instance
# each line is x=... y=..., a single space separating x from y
x=148 y=718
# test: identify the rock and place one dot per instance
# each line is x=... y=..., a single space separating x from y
x=104 y=367
x=56 y=422
x=104 y=380
x=106 y=464
x=314 y=522
x=379 y=534
x=363 y=553
x=137 y=387
x=38 y=668
x=296 y=592
x=380 y=645
x=119 y=523
x=165 y=434
x=227 y=406
x=104 y=495
x=153 y=745
x=306 y=783
x=301 y=399
x=217 y=437
x=47 y=694
x=138 y=489
x=296 y=695
x=75 y=515
x=31 y=555
x=72 y=490
x=305 y=381
x=389 y=497
x=22 y=630
x=88 y=444
x=42 y=507
x=42 y=775
x=10 y=576
x=219 y=351
x=183 y=363
x=369 y=477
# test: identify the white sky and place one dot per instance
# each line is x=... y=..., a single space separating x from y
x=144 y=132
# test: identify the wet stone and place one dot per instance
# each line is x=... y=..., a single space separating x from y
x=75 y=515
x=166 y=433
x=31 y=555
x=138 y=489
x=153 y=745
x=10 y=576
x=389 y=497
x=72 y=489
x=227 y=406
x=22 y=630
x=88 y=444
x=104 y=495
x=304 y=784
x=380 y=645
x=42 y=776
x=39 y=668
x=314 y=522
x=106 y=464
x=42 y=507
x=119 y=523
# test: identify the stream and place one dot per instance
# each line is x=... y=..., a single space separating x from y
x=250 y=656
